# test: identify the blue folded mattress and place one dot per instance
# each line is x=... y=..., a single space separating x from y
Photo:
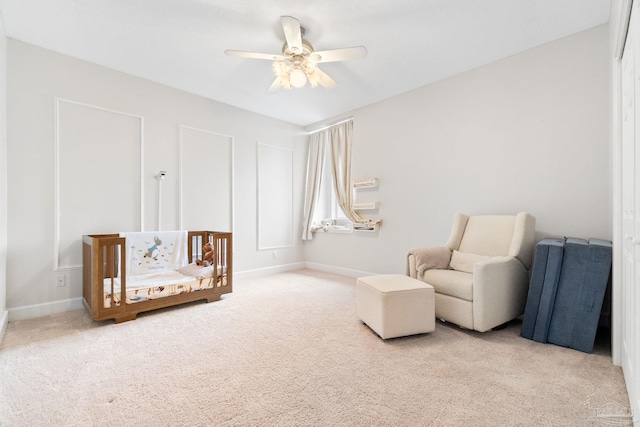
x=583 y=282
x=542 y=289
x=568 y=283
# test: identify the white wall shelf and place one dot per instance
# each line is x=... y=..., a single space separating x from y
x=365 y=206
x=365 y=183
x=363 y=188
x=368 y=228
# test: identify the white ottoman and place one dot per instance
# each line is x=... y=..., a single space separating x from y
x=394 y=305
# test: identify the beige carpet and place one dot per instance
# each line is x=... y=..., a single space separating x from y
x=288 y=350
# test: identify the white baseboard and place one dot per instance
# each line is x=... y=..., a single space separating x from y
x=4 y=321
x=337 y=270
x=268 y=270
x=44 y=309
x=299 y=265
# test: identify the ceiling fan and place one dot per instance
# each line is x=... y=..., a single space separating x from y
x=298 y=63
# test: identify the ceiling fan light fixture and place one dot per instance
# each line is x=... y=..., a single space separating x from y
x=297 y=77
x=285 y=82
x=314 y=78
x=309 y=66
x=281 y=68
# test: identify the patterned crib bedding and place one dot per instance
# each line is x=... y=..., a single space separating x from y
x=190 y=278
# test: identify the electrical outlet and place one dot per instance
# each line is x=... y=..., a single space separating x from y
x=274 y=254
x=61 y=281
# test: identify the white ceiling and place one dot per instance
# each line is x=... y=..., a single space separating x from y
x=181 y=43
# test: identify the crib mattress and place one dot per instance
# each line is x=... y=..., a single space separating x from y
x=159 y=285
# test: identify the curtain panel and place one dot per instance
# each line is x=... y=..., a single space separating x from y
x=317 y=152
x=337 y=140
x=340 y=140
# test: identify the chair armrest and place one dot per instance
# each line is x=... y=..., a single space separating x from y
x=412 y=271
x=500 y=287
x=421 y=259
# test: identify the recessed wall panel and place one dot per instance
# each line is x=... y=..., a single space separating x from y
x=98 y=169
x=206 y=175
x=275 y=197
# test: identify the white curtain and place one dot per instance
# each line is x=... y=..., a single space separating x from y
x=337 y=139
x=340 y=137
x=317 y=150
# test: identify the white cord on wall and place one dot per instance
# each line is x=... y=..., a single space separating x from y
x=160 y=178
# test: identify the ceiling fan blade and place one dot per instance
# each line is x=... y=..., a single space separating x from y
x=277 y=84
x=292 y=33
x=344 y=54
x=253 y=55
x=325 y=81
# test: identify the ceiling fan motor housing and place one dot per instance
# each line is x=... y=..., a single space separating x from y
x=307 y=49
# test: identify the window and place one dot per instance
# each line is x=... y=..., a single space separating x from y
x=328 y=216
x=328 y=192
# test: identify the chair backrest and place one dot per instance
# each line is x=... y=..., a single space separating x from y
x=495 y=235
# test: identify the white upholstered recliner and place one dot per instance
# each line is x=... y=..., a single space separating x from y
x=481 y=275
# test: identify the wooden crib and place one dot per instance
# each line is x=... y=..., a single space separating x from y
x=104 y=277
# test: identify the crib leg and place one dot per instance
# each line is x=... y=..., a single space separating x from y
x=213 y=298
x=125 y=317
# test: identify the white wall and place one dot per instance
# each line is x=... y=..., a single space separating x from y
x=3 y=180
x=36 y=77
x=527 y=133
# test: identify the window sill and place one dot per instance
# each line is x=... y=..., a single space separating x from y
x=335 y=229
